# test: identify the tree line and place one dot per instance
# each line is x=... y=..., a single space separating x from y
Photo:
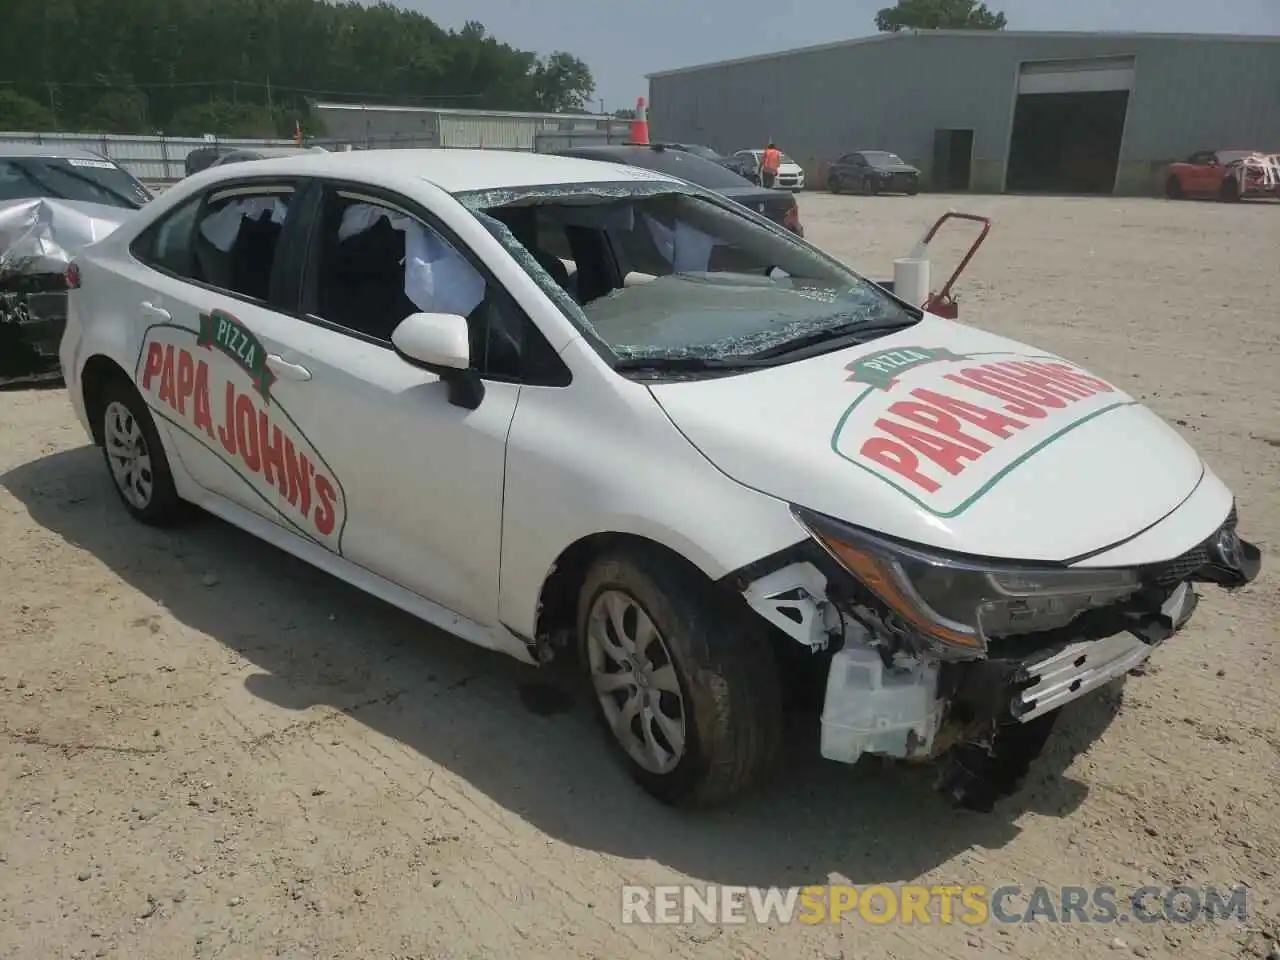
x=939 y=15
x=250 y=67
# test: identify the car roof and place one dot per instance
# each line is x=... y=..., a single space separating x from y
x=48 y=151
x=620 y=149
x=455 y=171
x=269 y=152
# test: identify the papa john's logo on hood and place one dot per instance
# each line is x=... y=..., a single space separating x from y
x=943 y=428
x=881 y=370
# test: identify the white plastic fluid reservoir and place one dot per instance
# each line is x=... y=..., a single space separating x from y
x=869 y=709
x=911 y=280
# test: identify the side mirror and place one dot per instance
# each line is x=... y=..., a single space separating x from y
x=441 y=343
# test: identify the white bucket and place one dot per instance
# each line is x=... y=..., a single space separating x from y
x=911 y=280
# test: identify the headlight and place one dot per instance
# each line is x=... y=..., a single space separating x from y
x=958 y=603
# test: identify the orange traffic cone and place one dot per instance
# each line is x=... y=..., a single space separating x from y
x=640 y=125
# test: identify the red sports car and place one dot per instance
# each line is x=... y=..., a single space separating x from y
x=1224 y=174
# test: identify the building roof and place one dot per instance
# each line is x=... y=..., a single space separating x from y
x=970 y=34
x=452 y=111
x=455 y=171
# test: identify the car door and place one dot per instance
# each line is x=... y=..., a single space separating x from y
x=855 y=168
x=418 y=480
x=207 y=288
x=1202 y=172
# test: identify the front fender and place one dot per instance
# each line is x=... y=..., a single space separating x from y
x=601 y=457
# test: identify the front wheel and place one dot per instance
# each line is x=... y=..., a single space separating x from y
x=1230 y=190
x=685 y=684
x=135 y=456
x=869 y=188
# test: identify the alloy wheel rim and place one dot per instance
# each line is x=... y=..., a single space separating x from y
x=635 y=681
x=128 y=455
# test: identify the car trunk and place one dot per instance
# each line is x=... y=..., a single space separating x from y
x=774 y=204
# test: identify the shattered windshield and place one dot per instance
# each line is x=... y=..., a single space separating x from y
x=70 y=178
x=655 y=271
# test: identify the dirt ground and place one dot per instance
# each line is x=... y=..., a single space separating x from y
x=210 y=750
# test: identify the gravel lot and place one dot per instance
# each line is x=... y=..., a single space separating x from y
x=210 y=750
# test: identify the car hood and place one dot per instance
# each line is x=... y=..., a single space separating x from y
x=41 y=235
x=946 y=436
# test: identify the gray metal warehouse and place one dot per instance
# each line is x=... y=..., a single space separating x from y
x=985 y=111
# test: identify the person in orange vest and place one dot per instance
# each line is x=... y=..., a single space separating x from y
x=769 y=164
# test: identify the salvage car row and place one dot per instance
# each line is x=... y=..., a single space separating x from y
x=566 y=408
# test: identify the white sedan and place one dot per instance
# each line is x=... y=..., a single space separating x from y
x=561 y=407
x=790 y=174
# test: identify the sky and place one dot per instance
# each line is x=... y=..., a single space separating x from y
x=621 y=44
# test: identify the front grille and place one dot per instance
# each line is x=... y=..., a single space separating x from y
x=1172 y=572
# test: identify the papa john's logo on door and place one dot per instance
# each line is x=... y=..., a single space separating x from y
x=944 y=428
x=214 y=385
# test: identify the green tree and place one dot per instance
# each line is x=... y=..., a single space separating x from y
x=939 y=15
x=21 y=113
x=224 y=119
x=116 y=111
x=562 y=82
x=169 y=64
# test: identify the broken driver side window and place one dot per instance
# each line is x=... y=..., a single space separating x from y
x=377 y=264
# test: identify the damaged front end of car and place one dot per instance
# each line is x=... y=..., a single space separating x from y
x=38 y=240
x=967 y=662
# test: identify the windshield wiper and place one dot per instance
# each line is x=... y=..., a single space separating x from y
x=682 y=364
x=852 y=332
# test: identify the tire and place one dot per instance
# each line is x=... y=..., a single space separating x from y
x=1229 y=192
x=833 y=183
x=143 y=480
x=1173 y=188
x=723 y=680
x=869 y=187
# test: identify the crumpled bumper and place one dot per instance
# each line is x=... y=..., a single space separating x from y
x=1018 y=698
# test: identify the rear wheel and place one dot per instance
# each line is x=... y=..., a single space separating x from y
x=1230 y=190
x=1173 y=188
x=135 y=456
x=833 y=183
x=685 y=684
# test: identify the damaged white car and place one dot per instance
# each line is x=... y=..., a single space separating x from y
x=565 y=408
x=53 y=201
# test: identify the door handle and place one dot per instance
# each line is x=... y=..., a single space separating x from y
x=285 y=370
x=156 y=313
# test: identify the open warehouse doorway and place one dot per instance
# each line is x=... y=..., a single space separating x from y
x=1068 y=126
